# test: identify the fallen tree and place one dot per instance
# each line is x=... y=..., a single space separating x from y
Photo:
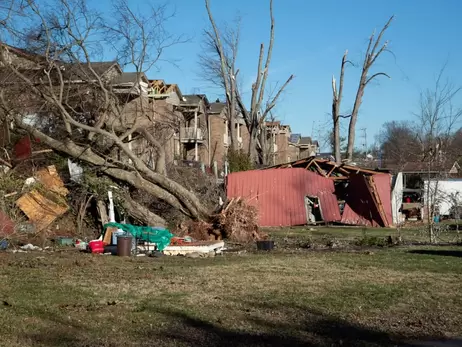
x=54 y=91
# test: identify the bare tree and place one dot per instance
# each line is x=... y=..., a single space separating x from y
x=218 y=63
x=439 y=119
x=336 y=103
x=399 y=142
x=78 y=111
x=258 y=111
x=373 y=52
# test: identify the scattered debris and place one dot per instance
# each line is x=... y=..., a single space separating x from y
x=30 y=247
x=81 y=245
x=202 y=248
x=50 y=179
x=6 y=225
x=29 y=181
x=40 y=210
x=4 y=244
x=43 y=210
x=23 y=148
x=4 y=169
x=75 y=171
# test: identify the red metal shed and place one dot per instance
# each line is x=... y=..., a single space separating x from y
x=279 y=194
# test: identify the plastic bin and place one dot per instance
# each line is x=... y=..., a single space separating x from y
x=96 y=246
x=265 y=245
x=124 y=245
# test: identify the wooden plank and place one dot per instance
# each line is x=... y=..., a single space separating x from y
x=107 y=239
x=51 y=180
x=321 y=171
x=40 y=210
x=331 y=170
x=309 y=164
x=358 y=169
x=42 y=151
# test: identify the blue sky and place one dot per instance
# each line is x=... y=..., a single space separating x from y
x=310 y=39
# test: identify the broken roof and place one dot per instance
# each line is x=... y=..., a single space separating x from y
x=326 y=168
x=160 y=87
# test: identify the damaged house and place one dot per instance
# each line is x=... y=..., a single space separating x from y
x=311 y=191
x=130 y=103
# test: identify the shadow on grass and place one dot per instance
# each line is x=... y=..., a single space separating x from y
x=442 y=252
x=306 y=329
x=301 y=328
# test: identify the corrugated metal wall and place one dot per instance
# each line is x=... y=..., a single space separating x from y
x=279 y=194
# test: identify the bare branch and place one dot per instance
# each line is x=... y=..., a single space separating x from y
x=375 y=75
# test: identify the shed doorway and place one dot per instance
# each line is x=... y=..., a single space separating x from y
x=313 y=210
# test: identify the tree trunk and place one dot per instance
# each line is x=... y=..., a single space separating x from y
x=337 y=153
x=336 y=133
x=253 y=153
x=353 y=120
x=141 y=213
x=233 y=132
x=160 y=165
x=265 y=150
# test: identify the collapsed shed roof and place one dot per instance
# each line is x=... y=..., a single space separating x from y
x=279 y=193
x=326 y=168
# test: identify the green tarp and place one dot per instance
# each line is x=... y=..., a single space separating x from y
x=159 y=236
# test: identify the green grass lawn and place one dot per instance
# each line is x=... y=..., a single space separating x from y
x=291 y=296
x=320 y=234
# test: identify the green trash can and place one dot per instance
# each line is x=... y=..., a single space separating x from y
x=124 y=245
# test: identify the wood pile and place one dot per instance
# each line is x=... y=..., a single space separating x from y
x=237 y=221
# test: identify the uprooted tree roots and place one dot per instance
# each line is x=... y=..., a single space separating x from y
x=237 y=221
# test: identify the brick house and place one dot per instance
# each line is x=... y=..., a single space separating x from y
x=220 y=138
x=308 y=147
x=280 y=150
x=194 y=134
x=151 y=104
x=169 y=116
x=284 y=147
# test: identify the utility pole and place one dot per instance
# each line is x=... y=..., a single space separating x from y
x=364 y=130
